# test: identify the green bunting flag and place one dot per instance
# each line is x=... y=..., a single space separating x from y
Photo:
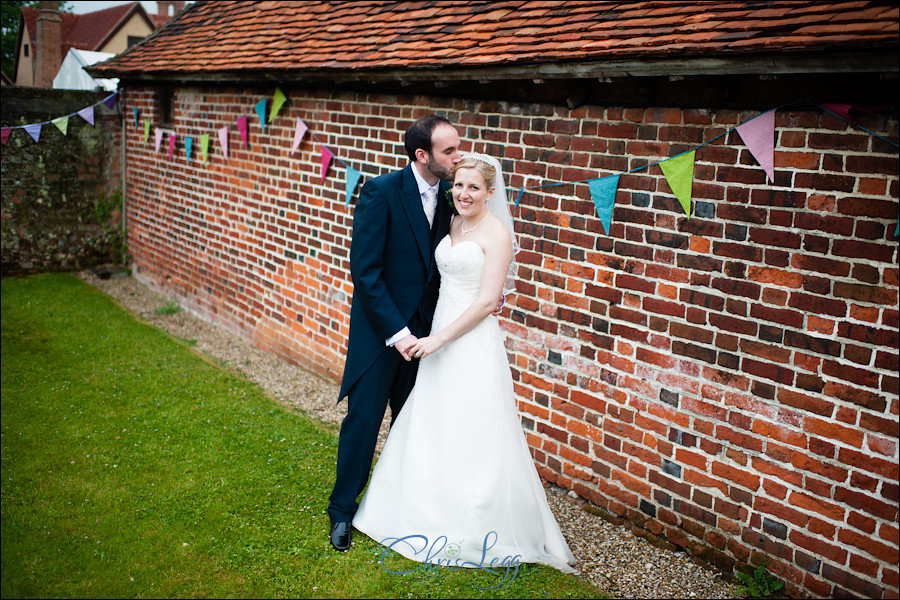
x=204 y=146
x=146 y=131
x=679 y=172
x=62 y=124
x=277 y=103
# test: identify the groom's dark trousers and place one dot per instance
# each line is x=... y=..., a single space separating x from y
x=395 y=285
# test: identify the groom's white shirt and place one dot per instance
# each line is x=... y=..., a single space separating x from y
x=423 y=188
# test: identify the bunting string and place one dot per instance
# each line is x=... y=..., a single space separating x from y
x=757 y=134
x=61 y=123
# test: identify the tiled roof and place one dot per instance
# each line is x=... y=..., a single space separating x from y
x=86 y=31
x=239 y=39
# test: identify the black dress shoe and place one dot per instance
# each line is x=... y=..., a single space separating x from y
x=340 y=535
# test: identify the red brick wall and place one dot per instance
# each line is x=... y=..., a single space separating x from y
x=726 y=384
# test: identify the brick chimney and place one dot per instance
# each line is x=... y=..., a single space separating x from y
x=48 y=56
x=173 y=6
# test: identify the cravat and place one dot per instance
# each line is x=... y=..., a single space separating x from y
x=430 y=204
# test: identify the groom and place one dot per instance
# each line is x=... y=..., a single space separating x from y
x=398 y=222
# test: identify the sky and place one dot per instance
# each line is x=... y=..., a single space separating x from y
x=80 y=7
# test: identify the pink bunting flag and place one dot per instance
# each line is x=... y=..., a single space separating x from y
x=4 y=134
x=298 y=134
x=326 y=161
x=759 y=136
x=242 y=128
x=87 y=114
x=223 y=140
x=34 y=131
x=841 y=110
x=158 y=134
x=171 y=145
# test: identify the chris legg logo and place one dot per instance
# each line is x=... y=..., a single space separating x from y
x=431 y=557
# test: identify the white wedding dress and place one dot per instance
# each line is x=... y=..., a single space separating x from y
x=455 y=483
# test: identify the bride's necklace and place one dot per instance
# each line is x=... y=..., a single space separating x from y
x=463 y=225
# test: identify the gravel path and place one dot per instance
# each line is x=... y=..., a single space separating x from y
x=608 y=555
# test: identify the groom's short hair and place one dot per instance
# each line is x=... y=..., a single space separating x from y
x=419 y=134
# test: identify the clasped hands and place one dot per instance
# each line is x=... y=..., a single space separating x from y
x=412 y=347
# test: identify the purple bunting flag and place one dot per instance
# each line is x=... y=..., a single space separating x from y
x=87 y=114
x=34 y=131
x=603 y=193
x=110 y=101
x=759 y=136
x=326 y=161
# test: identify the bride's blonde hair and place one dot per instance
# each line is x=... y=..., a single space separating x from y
x=487 y=171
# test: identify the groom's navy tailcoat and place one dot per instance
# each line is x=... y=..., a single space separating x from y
x=395 y=279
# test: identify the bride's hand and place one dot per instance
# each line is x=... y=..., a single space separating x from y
x=425 y=346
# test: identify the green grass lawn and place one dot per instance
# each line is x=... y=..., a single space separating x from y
x=132 y=467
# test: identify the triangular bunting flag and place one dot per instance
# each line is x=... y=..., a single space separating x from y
x=171 y=144
x=277 y=103
x=87 y=114
x=679 y=172
x=759 y=137
x=223 y=140
x=188 y=146
x=204 y=146
x=896 y=231
x=603 y=193
x=137 y=120
x=158 y=133
x=326 y=161
x=841 y=110
x=242 y=129
x=62 y=123
x=34 y=131
x=261 y=113
x=353 y=177
x=110 y=101
x=298 y=134
x=146 y=131
x=4 y=134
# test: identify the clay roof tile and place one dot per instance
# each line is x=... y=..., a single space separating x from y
x=364 y=34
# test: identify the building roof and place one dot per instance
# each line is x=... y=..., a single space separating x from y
x=368 y=39
x=89 y=31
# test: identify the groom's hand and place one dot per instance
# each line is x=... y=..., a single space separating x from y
x=404 y=345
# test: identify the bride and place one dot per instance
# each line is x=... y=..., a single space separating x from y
x=455 y=484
